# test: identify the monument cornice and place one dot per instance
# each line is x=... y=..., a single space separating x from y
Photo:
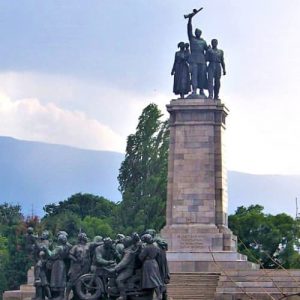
x=197 y=104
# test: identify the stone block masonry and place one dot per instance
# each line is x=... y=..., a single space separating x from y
x=197 y=201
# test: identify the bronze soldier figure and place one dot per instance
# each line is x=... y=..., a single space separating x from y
x=125 y=268
x=151 y=278
x=197 y=59
x=215 y=57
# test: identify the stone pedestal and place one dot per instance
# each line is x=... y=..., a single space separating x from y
x=197 y=188
x=26 y=291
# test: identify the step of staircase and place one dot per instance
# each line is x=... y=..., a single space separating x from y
x=193 y=286
x=259 y=284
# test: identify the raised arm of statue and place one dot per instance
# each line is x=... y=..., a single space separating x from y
x=190 y=28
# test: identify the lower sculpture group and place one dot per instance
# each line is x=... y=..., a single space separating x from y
x=58 y=268
x=198 y=66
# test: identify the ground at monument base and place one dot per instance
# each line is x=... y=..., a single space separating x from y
x=227 y=285
x=235 y=285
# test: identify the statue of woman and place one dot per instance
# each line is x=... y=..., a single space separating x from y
x=58 y=271
x=180 y=70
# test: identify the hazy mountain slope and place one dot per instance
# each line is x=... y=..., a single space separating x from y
x=35 y=174
x=276 y=193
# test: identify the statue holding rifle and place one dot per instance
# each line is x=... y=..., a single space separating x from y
x=197 y=60
x=198 y=65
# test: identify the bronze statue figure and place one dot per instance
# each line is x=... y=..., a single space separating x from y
x=97 y=270
x=151 y=275
x=80 y=258
x=41 y=282
x=190 y=65
x=58 y=278
x=197 y=58
x=125 y=268
x=180 y=70
x=215 y=57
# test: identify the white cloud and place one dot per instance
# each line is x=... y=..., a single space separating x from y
x=29 y=119
x=263 y=131
x=115 y=108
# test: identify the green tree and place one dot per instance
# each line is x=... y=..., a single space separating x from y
x=82 y=205
x=266 y=238
x=95 y=226
x=79 y=212
x=15 y=262
x=143 y=173
x=3 y=262
x=18 y=262
x=66 y=220
x=9 y=215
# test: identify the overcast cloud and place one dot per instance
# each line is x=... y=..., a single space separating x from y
x=80 y=72
x=30 y=120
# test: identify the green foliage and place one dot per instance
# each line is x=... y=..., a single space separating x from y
x=66 y=220
x=3 y=262
x=3 y=250
x=9 y=215
x=82 y=205
x=13 y=259
x=143 y=174
x=79 y=212
x=266 y=238
x=93 y=226
x=18 y=263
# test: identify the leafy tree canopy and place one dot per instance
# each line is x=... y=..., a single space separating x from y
x=93 y=226
x=268 y=239
x=82 y=205
x=10 y=214
x=13 y=259
x=143 y=173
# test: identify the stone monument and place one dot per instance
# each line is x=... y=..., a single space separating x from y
x=197 y=230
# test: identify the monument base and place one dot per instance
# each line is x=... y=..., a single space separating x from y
x=199 y=237
x=203 y=248
x=208 y=261
x=26 y=291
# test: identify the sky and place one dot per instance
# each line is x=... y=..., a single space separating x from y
x=80 y=72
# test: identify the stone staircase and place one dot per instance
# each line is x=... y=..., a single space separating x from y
x=193 y=286
x=259 y=285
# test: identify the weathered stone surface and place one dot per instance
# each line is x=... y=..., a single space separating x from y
x=22 y=294
x=258 y=284
x=197 y=188
x=197 y=286
x=27 y=291
x=197 y=179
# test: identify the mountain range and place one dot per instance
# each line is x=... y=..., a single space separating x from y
x=33 y=174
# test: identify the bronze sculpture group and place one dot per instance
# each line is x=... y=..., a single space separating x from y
x=198 y=65
x=130 y=267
